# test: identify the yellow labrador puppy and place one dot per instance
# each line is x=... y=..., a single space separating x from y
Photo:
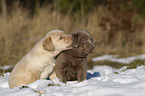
x=38 y=63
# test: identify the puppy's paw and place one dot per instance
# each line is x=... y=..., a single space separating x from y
x=22 y=87
x=63 y=80
x=53 y=85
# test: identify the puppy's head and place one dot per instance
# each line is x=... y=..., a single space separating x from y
x=57 y=40
x=83 y=41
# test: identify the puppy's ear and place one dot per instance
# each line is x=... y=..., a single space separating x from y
x=48 y=44
x=76 y=40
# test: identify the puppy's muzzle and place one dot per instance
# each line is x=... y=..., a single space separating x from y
x=91 y=48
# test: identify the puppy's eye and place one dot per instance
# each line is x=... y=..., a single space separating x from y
x=60 y=38
x=84 y=40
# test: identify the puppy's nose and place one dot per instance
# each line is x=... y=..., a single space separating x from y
x=91 y=46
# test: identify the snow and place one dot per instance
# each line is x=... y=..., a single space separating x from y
x=6 y=67
x=101 y=81
x=114 y=58
x=104 y=57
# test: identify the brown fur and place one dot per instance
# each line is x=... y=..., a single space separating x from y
x=72 y=64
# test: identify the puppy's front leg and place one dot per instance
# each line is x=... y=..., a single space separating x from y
x=81 y=74
x=60 y=72
x=52 y=75
x=46 y=71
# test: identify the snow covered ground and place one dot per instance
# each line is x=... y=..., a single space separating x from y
x=101 y=81
x=114 y=58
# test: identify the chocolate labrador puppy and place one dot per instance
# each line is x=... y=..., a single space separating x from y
x=72 y=64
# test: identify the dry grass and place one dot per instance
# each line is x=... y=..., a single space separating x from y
x=19 y=33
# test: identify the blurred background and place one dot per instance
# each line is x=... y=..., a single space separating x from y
x=117 y=26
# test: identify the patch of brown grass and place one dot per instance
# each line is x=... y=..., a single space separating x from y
x=19 y=33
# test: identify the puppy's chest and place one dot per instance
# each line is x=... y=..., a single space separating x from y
x=51 y=62
x=76 y=62
x=73 y=65
x=47 y=62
